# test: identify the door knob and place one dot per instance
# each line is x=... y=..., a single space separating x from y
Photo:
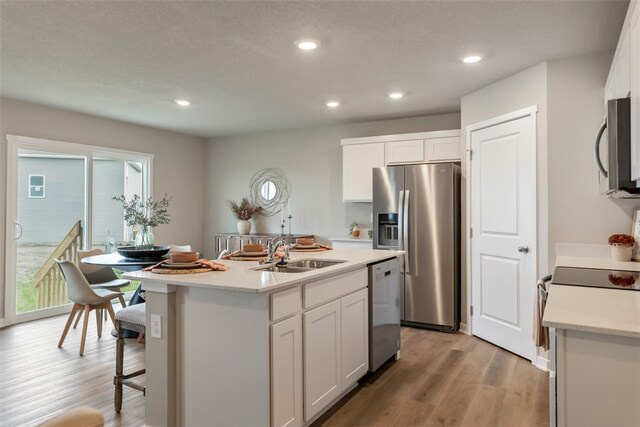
x=524 y=249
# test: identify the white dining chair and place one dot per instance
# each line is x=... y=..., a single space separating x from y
x=85 y=298
x=100 y=276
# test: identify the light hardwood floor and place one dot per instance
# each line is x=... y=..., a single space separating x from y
x=441 y=379
x=39 y=380
x=447 y=380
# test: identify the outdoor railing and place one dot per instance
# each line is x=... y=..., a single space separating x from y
x=48 y=280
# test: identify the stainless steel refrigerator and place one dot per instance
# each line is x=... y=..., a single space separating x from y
x=416 y=208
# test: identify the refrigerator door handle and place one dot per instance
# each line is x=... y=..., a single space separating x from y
x=400 y=223
x=405 y=231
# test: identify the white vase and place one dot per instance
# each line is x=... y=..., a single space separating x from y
x=244 y=227
x=621 y=253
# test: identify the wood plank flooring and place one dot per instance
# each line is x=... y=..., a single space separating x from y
x=447 y=380
x=39 y=380
x=441 y=379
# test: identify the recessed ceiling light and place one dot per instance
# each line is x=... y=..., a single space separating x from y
x=182 y=102
x=396 y=95
x=471 y=59
x=307 y=44
x=333 y=104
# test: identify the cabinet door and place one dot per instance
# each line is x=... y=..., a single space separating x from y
x=443 y=149
x=634 y=57
x=322 y=371
x=402 y=152
x=357 y=163
x=286 y=373
x=355 y=337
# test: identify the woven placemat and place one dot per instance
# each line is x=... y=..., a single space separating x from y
x=161 y=270
x=308 y=250
x=247 y=258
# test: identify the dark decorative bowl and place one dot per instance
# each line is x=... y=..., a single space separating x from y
x=132 y=252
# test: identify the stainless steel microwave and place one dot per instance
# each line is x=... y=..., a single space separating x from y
x=614 y=173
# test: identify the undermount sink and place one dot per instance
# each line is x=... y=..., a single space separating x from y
x=282 y=269
x=300 y=266
x=314 y=263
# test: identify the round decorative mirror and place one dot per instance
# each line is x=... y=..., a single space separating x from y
x=269 y=189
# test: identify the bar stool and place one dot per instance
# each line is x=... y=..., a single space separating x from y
x=134 y=319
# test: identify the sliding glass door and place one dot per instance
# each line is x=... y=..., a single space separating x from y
x=59 y=201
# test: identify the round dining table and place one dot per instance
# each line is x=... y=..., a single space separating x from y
x=115 y=260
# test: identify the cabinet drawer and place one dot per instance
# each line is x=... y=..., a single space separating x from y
x=285 y=303
x=441 y=149
x=409 y=151
x=334 y=287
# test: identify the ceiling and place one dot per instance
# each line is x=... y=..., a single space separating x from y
x=237 y=63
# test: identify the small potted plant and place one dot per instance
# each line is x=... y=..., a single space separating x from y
x=244 y=212
x=621 y=247
x=354 y=231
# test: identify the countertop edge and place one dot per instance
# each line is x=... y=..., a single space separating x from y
x=295 y=280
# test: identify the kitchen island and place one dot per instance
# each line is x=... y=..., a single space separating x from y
x=246 y=347
x=595 y=374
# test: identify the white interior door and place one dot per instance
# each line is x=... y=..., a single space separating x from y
x=503 y=245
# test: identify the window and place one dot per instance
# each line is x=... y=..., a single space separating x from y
x=36 y=186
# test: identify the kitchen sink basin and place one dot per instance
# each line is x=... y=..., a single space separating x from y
x=314 y=263
x=282 y=269
x=300 y=266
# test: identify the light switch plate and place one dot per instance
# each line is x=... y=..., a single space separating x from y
x=156 y=326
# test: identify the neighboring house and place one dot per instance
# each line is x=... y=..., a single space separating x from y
x=51 y=197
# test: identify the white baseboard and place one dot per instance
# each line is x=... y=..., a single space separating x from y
x=464 y=329
x=541 y=363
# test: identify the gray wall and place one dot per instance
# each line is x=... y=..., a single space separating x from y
x=178 y=166
x=569 y=94
x=577 y=213
x=312 y=160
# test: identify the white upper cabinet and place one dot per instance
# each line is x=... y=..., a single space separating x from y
x=403 y=152
x=361 y=155
x=358 y=162
x=444 y=149
x=634 y=77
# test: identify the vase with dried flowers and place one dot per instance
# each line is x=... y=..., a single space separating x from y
x=244 y=212
x=144 y=215
x=621 y=246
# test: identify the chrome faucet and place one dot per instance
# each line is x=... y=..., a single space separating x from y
x=272 y=247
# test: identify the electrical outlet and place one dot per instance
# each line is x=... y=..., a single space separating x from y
x=156 y=326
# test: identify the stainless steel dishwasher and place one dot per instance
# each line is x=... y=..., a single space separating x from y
x=384 y=312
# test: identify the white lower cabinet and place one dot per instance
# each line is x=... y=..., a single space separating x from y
x=318 y=352
x=597 y=379
x=286 y=373
x=322 y=357
x=336 y=349
x=354 y=337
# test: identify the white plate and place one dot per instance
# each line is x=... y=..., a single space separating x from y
x=314 y=246
x=252 y=254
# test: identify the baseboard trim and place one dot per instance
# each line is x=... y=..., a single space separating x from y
x=464 y=328
x=541 y=363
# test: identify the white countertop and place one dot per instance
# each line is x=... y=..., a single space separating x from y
x=599 y=310
x=242 y=276
x=351 y=239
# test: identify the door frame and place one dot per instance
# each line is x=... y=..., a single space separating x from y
x=508 y=117
x=14 y=144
